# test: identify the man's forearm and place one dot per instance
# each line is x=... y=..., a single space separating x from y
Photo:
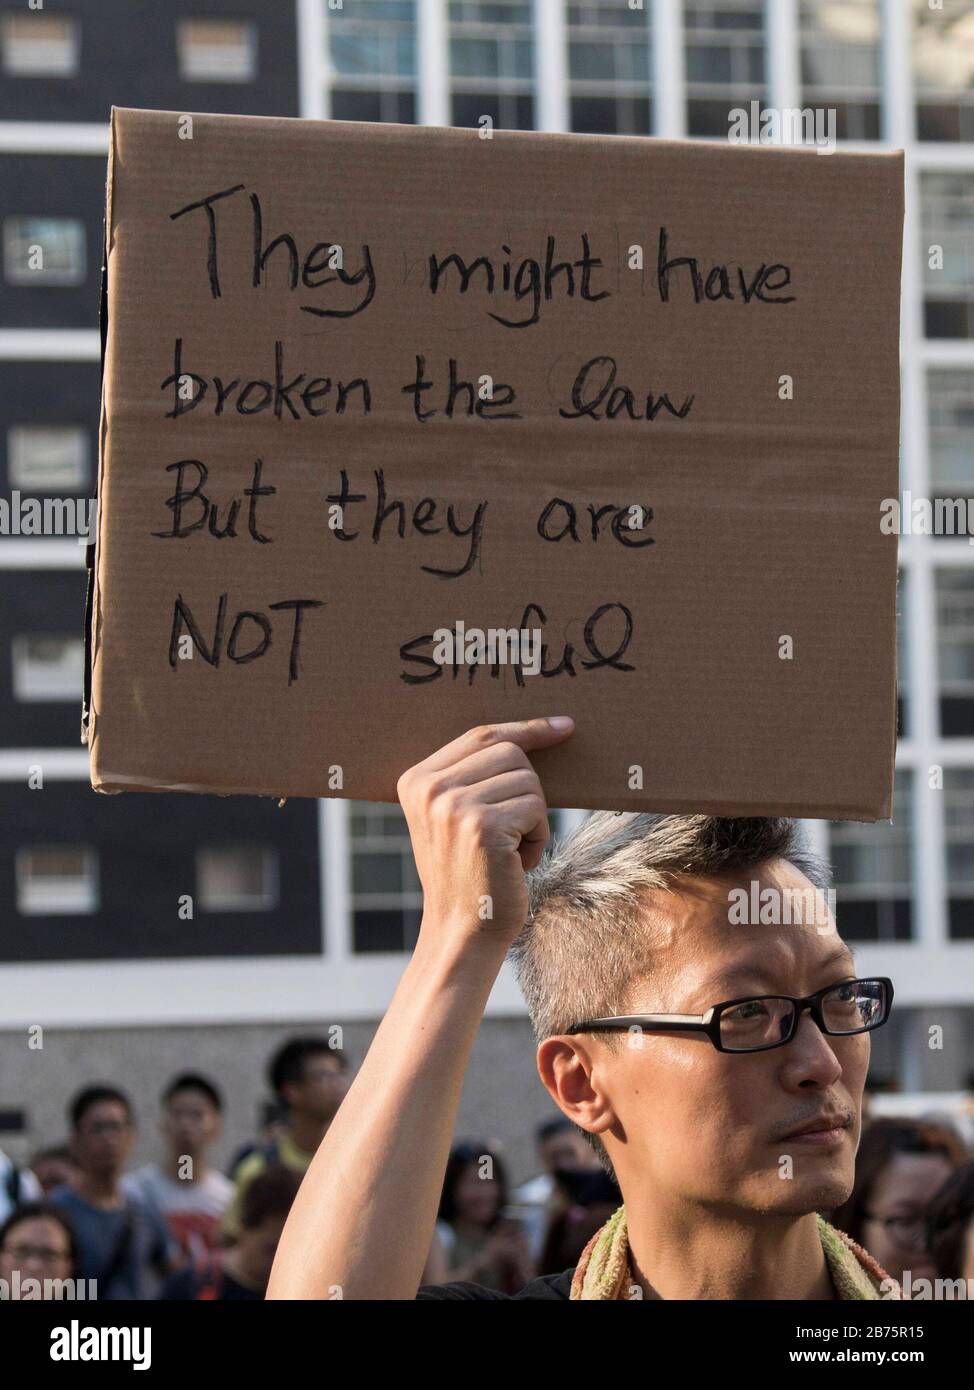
x=363 y=1220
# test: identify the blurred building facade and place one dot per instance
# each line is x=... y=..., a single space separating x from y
x=304 y=914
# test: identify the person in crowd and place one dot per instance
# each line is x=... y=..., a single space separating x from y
x=17 y=1185
x=242 y=1271
x=708 y=1057
x=900 y=1166
x=190 y=1194
x=123 y=1244
x=562 y=1149
x=273 y=1125
x=950 y=1227
x=586 y=1201
x=483 y=1242
x=37 y=1242
x=308 y=1077
x=55 y=1167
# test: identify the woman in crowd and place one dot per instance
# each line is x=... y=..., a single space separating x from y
x=950 y=1227
x=483 y=1244
x=900 y=1165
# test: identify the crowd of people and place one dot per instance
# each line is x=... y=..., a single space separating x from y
x=182 y=1229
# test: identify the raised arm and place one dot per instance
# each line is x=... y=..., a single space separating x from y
x=363 y=1220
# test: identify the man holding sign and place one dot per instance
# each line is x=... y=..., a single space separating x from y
x=719 y=1071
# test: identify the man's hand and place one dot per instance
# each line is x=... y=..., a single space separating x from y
x=478 y=822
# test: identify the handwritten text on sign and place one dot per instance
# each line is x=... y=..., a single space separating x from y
x=329 y=288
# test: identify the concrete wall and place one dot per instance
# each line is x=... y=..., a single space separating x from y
x=503 y=1097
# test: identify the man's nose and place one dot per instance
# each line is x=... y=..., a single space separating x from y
x=809 y=1034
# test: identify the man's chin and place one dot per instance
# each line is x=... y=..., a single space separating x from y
x=816 y=1191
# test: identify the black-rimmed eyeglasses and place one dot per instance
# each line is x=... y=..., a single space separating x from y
x=757 y=1022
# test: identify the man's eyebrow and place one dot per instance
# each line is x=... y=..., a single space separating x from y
x=839 y=956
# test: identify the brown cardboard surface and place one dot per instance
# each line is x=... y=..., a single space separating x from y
x=765 y=511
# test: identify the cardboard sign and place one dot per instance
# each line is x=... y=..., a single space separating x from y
x=372 y=393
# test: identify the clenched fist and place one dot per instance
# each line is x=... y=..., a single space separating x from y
x=478 y=822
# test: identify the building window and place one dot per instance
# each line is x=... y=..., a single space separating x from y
x=950 y=433
x=43 y=251
x=48 y=668
x=959 y=834
x=492 y=63
x=40 y=45
x=372 y=45
x=387 y=899
x=724 y=54
x=840 y=63
x=57 y=879
x=217 y=50
x=943 y=69
x=609 y=67
x=48 y=458
x=947 y=231
x=955 y=646
x=236 y=878
x=873 y=869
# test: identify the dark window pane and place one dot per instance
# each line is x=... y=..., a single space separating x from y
x=961 y=918
x=377 y=872
x=938 y=122
x=956 y=717
x=524 y=113
x=595 y=115
x=705 y=63
x=379 y=929
x=594 y=61
x=642 y=118
x=709 y=117
x=356 y=106
x=874 y=919
x=947 y=318
x=468 y=107
x=854 y=120
x=406 y=108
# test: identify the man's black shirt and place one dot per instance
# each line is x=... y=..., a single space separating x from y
x=557 y=1286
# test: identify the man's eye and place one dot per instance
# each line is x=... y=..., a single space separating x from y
x=753 y=1009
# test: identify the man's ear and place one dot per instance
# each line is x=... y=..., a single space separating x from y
x=570 y=1073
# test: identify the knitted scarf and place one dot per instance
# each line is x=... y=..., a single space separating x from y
x=604 y=1271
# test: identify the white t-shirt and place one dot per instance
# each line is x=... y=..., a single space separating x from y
x=193 y=1211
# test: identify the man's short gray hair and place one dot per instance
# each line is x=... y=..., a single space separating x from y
x=583 y=947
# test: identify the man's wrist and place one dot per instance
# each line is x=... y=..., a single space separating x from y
x=460 y=949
